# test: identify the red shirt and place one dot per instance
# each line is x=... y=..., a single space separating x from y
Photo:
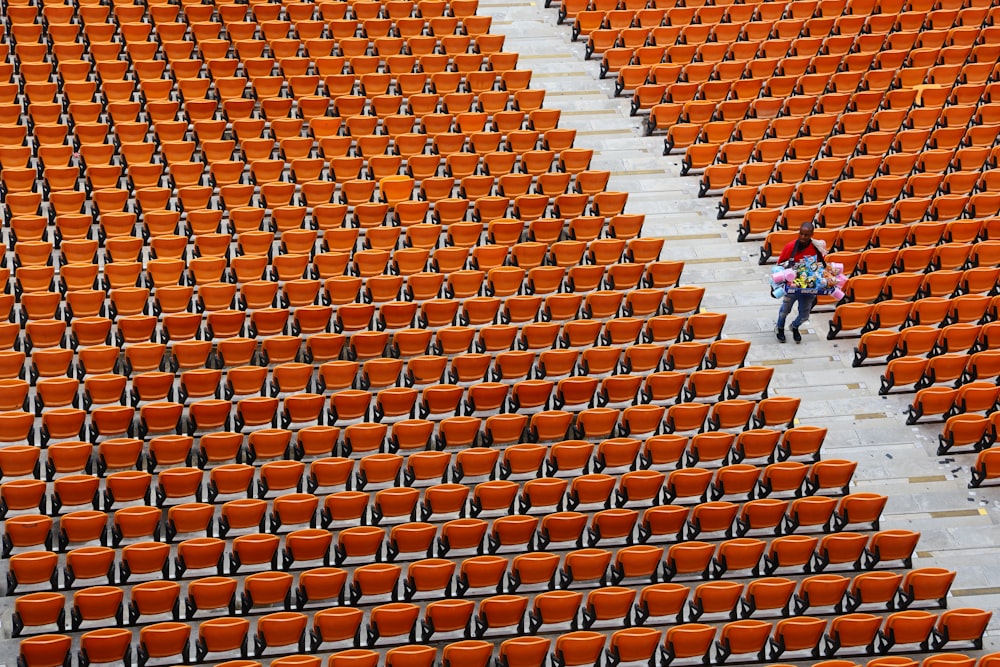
x=809 y=251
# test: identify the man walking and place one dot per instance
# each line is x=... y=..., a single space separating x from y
x=794 y=252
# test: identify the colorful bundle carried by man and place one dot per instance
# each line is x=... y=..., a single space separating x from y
x=809 y=276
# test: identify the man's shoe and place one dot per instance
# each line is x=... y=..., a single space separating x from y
x=780 y=333
x=796 y=336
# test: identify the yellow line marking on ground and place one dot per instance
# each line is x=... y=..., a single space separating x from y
x=949 y=514
x=987 y=590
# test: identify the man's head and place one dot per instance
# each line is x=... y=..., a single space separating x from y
x=805 y=233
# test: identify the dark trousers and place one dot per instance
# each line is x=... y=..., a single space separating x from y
x=806 y=303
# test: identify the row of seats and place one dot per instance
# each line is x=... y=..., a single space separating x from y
x=864 y=318
x=432 y=112
x=397 y=623
x=601 y=373
x=665 y=312
x=843 y=214
x=923 y=340
x=320 y=346
x=893 y=123
x=232 y=13
x=408 y=67
x=393 y=397
x=901 y=288
x=569 y=194
x=305 y=27
x=945 y=208
x=784 y=21
x=945 y=273
x=658 y=452
x=905 y=305
x=578 y=647
x=518 y=356
x=885 y=103
x=397 y=507
x=779 y=67
x=977 y=432
x=842 y=184
x=394 y=498
x=357 y=44
x=884 y=42
x=348 y=305
x=168 y=268
x=661 y=450
x=370 y=262
x=375 y=156
x=462 y=368
x=671 y=602
x=326 y=220
x=513 y=364
x=939 y=211
x=489 y=120
x=945 y=402
x=172 y=281
x=535 y=338
x=67 y=461
x=608 y=366
x=884 y=189
x=518 y=154
x=315 y=65
x=358 y=200
x=889 y=235
x=829 y=8
x=924 y=171
x=920 y=372
x=501 y=282
x=481 y=575
x=358 y=545
x=633 y=49
x=617 y=332
x=769 y=516
x=436 y=403
x=757 y=66
x=945 y=257
x=691 y=358
x=420 y=243
x=315 y=444
x=910 y=287
x=432 y=314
